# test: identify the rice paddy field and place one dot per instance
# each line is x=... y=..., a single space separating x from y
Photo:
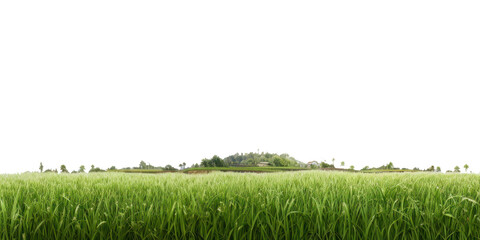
x=284 y=205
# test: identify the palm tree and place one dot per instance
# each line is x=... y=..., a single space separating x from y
x=466 y=167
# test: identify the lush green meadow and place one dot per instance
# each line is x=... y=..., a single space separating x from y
x=285 y=205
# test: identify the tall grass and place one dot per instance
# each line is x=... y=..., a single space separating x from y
x=288 y=205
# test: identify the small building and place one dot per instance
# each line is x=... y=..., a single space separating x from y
x=263 y=164
x=312 y=163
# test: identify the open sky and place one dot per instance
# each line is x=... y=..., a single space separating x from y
x=117 y=82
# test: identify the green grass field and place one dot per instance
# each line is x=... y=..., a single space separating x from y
x=284 y=205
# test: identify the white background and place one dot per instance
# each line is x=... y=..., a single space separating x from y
x=116 y=82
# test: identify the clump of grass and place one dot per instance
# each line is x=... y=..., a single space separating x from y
x=287 y=205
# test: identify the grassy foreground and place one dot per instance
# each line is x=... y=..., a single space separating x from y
x=286 y=205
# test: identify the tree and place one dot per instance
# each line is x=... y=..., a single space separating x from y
x=41 y=167
x=112 y=168
x=63 y=169
x=279 y=162
x=365 y=168
x=184 y=164
x=217 y=161
x=466 y=167
x=205 y=163
x=390 y=165
x=82 y=169
x=342 y=163
x=439 y=169
x=352 y=167
x=142 y=165
x=333 y=162
x=326 y=165
x=456 y=169
x=430 y=169
x=170 y=167
x=93 y=167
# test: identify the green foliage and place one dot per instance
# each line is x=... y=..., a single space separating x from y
x=293 y=205
x=215 y=161
x=82 y=169
x=169 y=168
x=63 y=169
x=138 y=170
x=326 y=165
x=253 y=159
x=245 y=169
x=95 y=169
x=390 y=165
x=466 y=167
x=144 y=165
x=457 y=169
x=430 y=169
x=41 y=167
x=280 y=162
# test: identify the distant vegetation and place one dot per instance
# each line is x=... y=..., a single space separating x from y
x=243 y=169
x=251 y=159
x=261 y=161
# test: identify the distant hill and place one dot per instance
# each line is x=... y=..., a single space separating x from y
x=252 y=159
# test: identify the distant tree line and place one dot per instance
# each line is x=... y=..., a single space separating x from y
x=432 y=168
x=215 y=161
x=93 y=168
x=249 y=160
